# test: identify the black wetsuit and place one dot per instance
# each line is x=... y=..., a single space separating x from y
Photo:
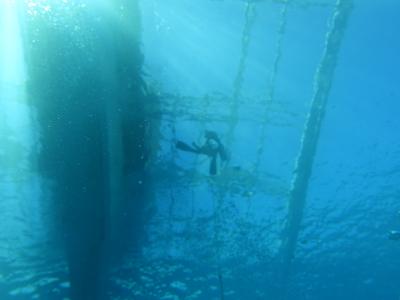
x=212 y=148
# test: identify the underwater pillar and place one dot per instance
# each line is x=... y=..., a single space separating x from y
x=129 y=136
x=90 y=101
x=303 y=169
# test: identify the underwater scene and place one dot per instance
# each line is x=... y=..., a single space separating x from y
x=199 y=150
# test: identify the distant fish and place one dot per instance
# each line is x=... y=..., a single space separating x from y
x=394 y=235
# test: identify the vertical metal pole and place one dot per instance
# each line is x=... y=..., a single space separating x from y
x=303 y=169
x=250 y=16
x=272 y=82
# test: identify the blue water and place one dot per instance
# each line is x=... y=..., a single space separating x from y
x=96 y=202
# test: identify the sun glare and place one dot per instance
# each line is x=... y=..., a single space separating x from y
x=11 y=53
x=8 y=2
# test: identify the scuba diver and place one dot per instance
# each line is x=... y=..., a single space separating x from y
x=212 y=147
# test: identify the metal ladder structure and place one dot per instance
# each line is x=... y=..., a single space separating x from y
x=309 y=142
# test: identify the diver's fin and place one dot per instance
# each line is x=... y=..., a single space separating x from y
x=185 y=147
x=213 y=165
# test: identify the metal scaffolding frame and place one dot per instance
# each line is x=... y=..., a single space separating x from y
x=309 y=143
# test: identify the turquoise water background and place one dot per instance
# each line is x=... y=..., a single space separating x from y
x=132 y=77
